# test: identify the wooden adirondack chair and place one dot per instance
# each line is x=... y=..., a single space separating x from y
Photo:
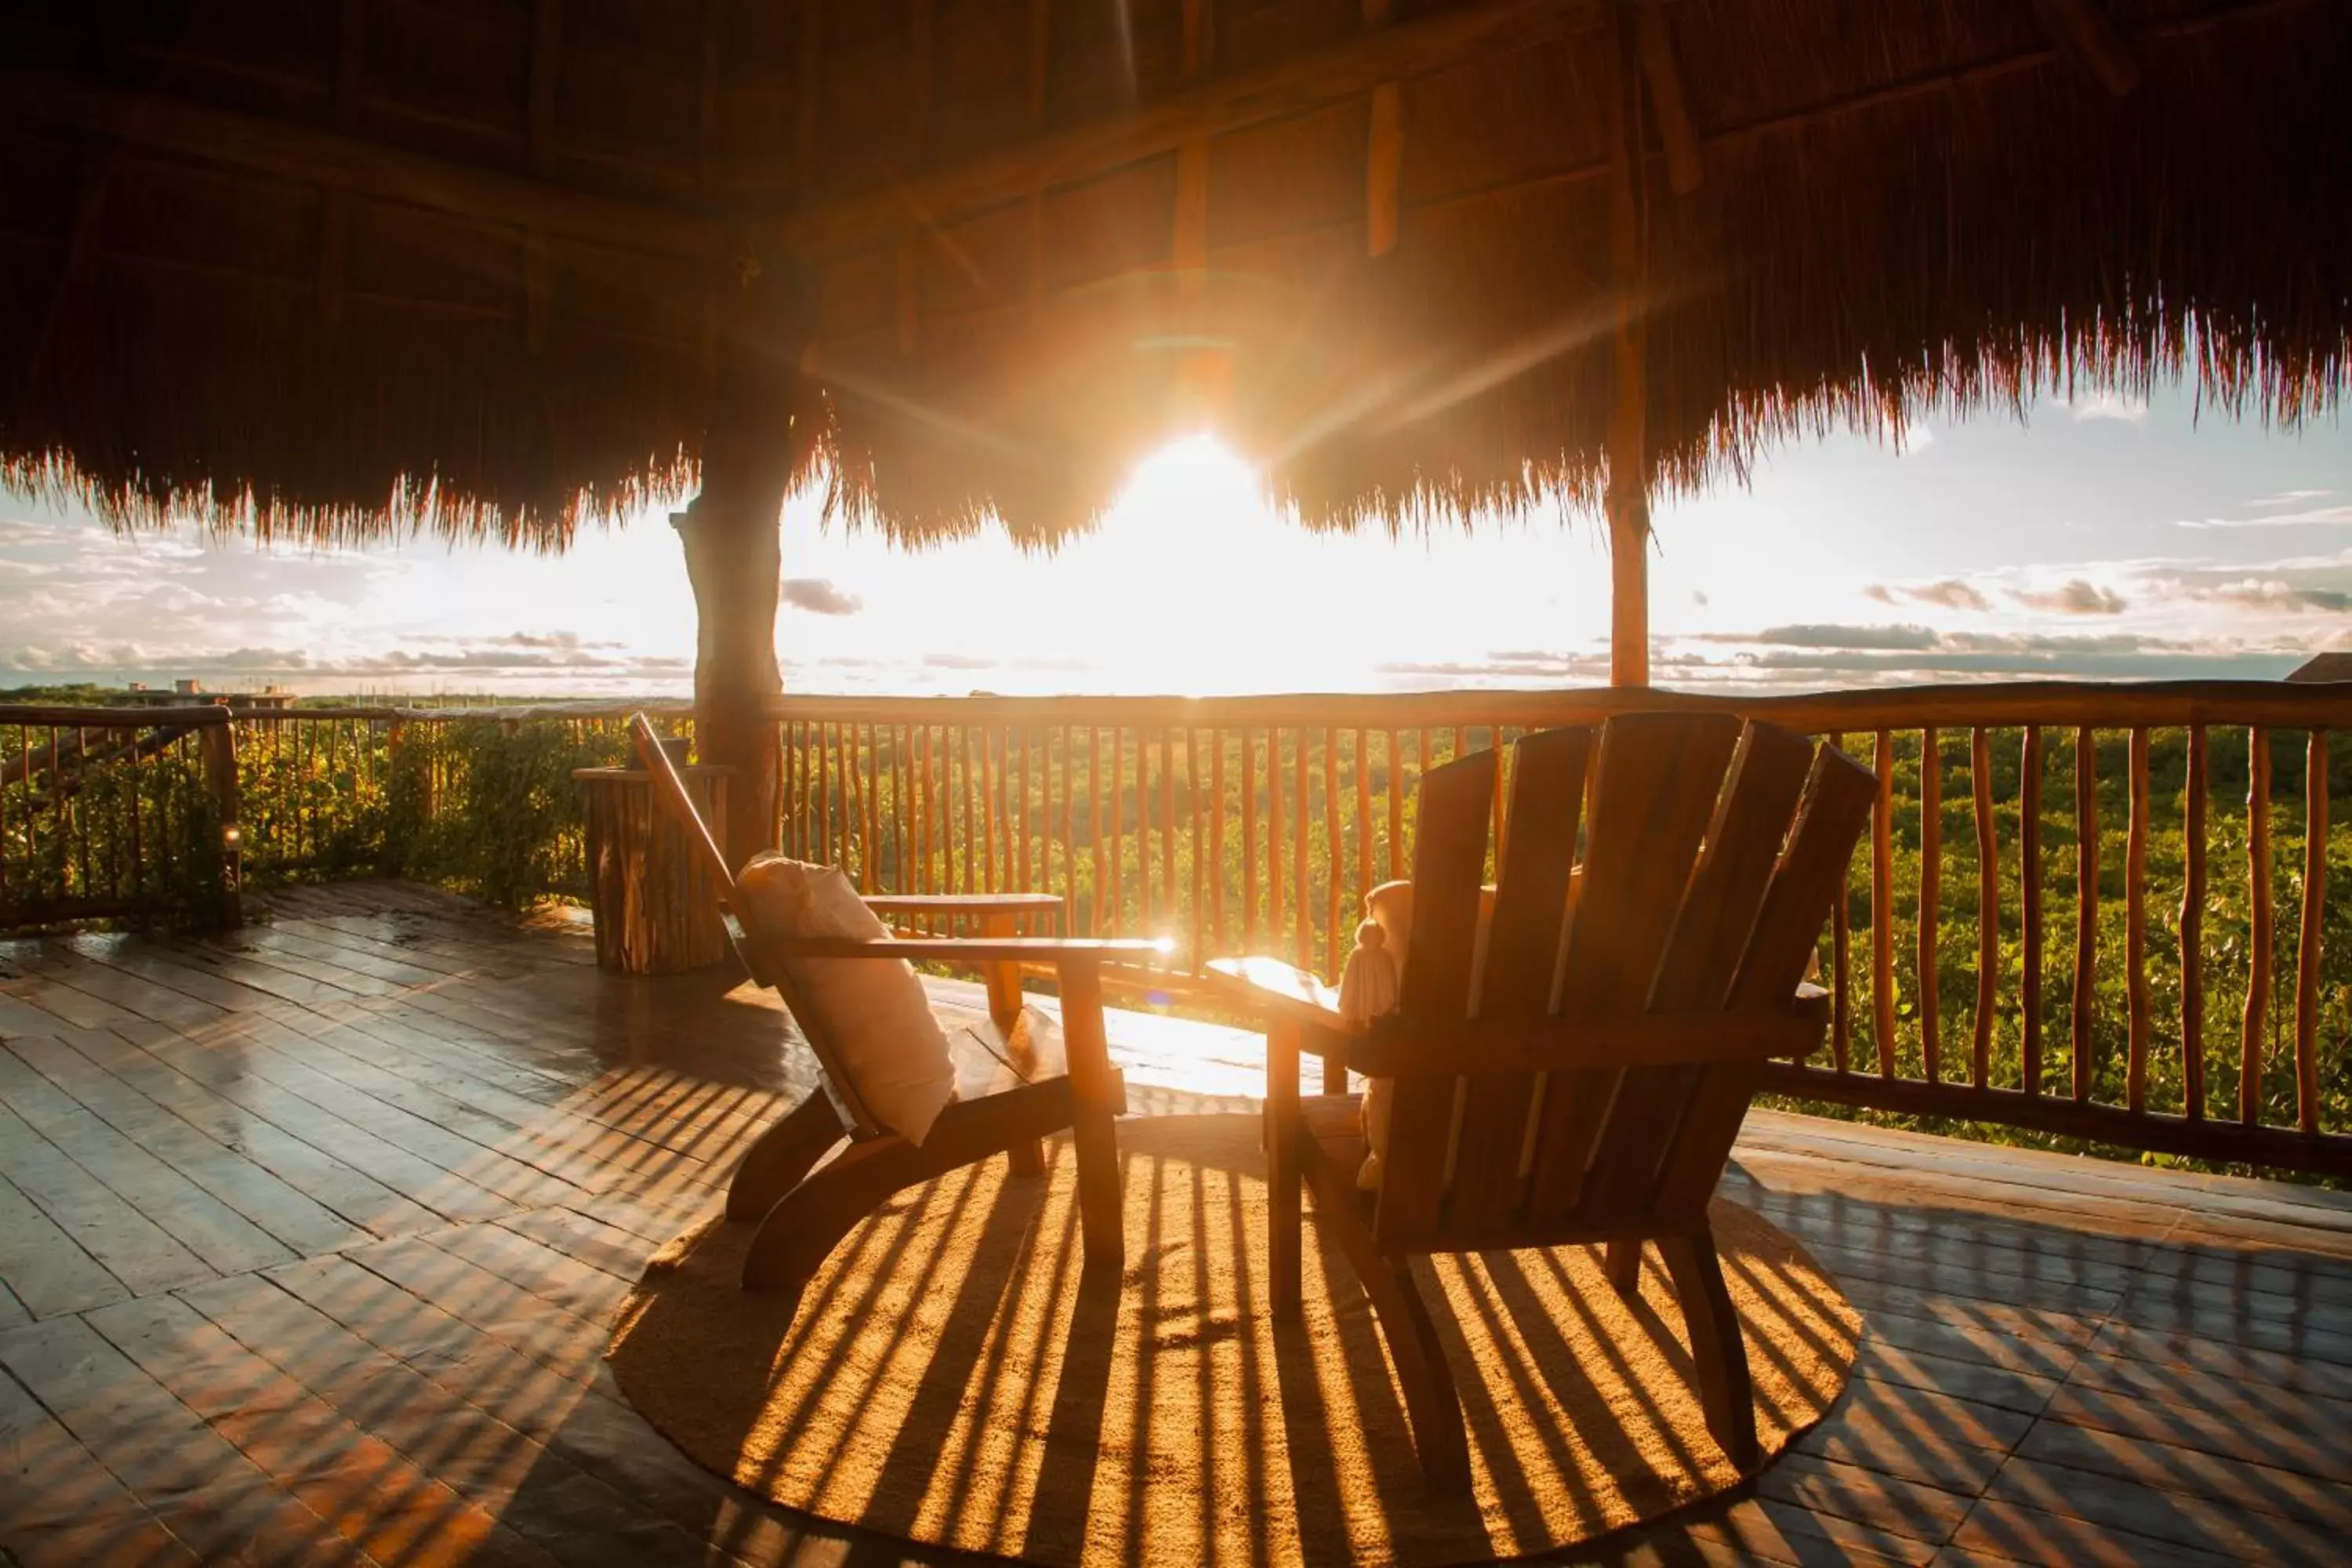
x=1605 y=1063
x=1015 y=1082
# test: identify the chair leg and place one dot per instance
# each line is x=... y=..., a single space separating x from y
x=781 y=1155
x=1717 y=1350
x=1622 y=1265
x=1430 y=1399
x=804 y=1227
x=1283 y=1175
x=1028 y=1158
x=801 y=1231
x=1095 y=1094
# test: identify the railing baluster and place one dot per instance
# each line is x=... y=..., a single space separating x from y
x=1393 y=754
x=1021 y=812
x=2192 y=929
x=1195 y=956
x=2307 y=947
x=1273 y=839
x=1095 y=827
x=1172 y=910
x=2136 y=927
x=1118 y=826
x=1931 y=893
x=2029 y=898
x=1882 y=908
x=1274 y=814
x=1069 y=835
x=1842 y=964
x=1334 y=953
x=2255 y=1024
x=867 y=762
x=2087 y=909
x=992 y=815
x=1305 y=940
x=1987 y=906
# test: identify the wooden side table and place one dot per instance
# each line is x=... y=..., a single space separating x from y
x=656 y=912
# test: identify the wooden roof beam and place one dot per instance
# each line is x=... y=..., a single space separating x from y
x=2085 y=30
x=1209 y=107
x=175 y=127
x=1677 y=131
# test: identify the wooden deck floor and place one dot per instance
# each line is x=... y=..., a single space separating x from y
x=308 y=1237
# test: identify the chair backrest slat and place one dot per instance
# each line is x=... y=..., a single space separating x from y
x=1695 y=895
x=1702 y=958
x=1807 y=882
x=1656 y=786
x=1449 y=863
x=1523 y=948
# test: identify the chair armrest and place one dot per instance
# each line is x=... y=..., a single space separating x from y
x=961 y=903
x=972 y=949
x=1566 y=1044
x=1281 y=990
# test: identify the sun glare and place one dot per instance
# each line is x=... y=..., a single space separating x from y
x=1196 y=480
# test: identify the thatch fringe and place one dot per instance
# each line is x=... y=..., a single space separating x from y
x=1903 y=213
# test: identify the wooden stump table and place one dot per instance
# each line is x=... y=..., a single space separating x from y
x=656 y=912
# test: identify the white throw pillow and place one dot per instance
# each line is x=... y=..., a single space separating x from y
x=871 y=1013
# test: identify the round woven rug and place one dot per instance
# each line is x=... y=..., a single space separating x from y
x=953 y=1377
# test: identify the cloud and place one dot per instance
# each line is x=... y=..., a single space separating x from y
x=1951 y=594
x=2110 y=406
x=2273 y=593
x=820 y=597
x=2289 y=498
x=1909 y=639
x=2336 y=516
x=2075 y=596
x=1699 y=598
x=957 y=661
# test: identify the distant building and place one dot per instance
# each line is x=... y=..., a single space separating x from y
x=2323 y=666
x=139 y=694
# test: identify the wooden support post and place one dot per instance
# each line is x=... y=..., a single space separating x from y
x=1628 y=499
x=1663 y=71
x=351 y=60
x=1385 y=155
x=217 y=745
x=921 y=65
x=1384 y=169
x=707 y=92
x=1190 y=240
x=1041 y=61
x=808 y=94
x=734 y=555
x=546 y=62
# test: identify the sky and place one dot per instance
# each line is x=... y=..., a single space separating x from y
x=2106 y=538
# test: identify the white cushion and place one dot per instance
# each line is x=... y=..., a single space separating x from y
x=870 y=1014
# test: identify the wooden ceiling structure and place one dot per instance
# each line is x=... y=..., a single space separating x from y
x=498 y=267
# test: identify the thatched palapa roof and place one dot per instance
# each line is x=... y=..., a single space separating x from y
x=323 y=268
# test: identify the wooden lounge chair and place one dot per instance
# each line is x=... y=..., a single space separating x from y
x=1615 y=1041
x=1017 y=1077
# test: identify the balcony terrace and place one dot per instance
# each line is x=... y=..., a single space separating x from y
x=312 y=1229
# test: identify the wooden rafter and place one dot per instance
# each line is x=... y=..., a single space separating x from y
x=179 y=128
x=2083 y=29
x=1214 y=105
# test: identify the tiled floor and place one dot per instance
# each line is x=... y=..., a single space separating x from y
x=308 y=1237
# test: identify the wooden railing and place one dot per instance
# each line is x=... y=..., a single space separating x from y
x=109 y=812
x=2102 y=913
x=2186 y=1017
